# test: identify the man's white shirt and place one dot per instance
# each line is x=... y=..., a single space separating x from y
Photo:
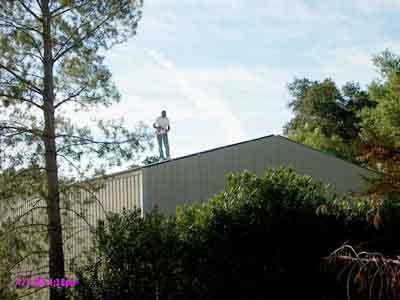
x=163 y=124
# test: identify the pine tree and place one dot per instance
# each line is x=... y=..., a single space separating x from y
x=50 y=62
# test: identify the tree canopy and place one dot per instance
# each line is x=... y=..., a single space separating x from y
x=362 y=125
x=51 y=65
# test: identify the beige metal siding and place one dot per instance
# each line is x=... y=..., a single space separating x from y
x=343 y=176
x=24 y=214
x=198 y=177
x=119 y=192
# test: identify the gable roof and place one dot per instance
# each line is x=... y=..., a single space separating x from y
x=266 y=137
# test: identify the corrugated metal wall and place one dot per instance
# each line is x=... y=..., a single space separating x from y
x=26 y=215
x=119 y=192
x=28 y=218
x=123 y=190
x=343 y=176
x=198 y=177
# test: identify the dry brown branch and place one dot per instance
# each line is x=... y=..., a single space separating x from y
x=366 y=274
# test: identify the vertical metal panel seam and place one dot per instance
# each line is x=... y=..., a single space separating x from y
x=141 y=194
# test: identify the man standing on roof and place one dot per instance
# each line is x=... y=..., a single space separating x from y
x=162 y=128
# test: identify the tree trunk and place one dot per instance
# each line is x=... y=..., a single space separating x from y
x=56 y=254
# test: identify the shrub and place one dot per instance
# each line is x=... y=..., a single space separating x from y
x=262 y=237
x=133 y=257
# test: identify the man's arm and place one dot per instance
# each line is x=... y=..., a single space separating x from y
x=155 y=124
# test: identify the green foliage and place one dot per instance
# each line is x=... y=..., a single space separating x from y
x=349 y=209
x=387 y=62
x=7 y=286
x=325 y=117
x=381 y=125
x=277 y=190
x=32 y=101
x=23 y=245
x=315 y=138
x=134 y=256
x=364 y=127
x=359 y=125
x=151 y=160
x=52 y=65
x=322 y=105
x=263 y=236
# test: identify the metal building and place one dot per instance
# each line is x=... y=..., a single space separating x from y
x=194 y=178
x=197 y=177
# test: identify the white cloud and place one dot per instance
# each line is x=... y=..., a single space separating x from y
x=210 y=107
x=221 y=67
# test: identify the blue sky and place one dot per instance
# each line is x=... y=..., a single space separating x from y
x=220 y=68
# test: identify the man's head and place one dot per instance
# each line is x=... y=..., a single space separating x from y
x=163 y=114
